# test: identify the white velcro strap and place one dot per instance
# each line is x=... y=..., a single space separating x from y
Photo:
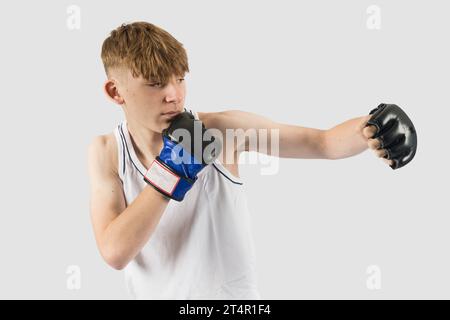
x=162 y=178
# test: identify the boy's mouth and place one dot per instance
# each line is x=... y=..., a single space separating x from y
x=170 y=115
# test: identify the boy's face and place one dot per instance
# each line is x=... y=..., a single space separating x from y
x=147 y=102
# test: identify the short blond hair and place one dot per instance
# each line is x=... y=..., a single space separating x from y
x=146 y=50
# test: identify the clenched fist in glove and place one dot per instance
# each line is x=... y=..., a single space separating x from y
x=391 y=134
x=187 y=149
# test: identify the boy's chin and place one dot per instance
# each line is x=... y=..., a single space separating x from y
x=163 y=125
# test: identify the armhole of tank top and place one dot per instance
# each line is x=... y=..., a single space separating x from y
x=226 y=173
x=120 y=153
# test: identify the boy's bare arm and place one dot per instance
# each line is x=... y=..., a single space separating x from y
x=120 y=231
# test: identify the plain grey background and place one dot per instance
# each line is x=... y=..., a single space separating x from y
x=318 y=224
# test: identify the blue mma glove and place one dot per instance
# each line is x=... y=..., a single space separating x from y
x=183 y=156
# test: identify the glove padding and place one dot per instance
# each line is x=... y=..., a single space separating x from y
x=195 y=143
x=396 y=133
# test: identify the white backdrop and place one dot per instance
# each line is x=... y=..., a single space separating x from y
x=350 y=228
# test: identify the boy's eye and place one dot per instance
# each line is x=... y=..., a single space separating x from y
x=159 y=84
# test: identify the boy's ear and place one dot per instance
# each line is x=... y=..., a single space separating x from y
x=112 y=92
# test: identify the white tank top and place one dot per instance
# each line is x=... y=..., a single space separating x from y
x=202 y=247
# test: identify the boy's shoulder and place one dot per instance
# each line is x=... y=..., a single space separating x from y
x=104 y=148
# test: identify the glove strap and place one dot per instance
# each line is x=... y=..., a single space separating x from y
x=167 y=181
